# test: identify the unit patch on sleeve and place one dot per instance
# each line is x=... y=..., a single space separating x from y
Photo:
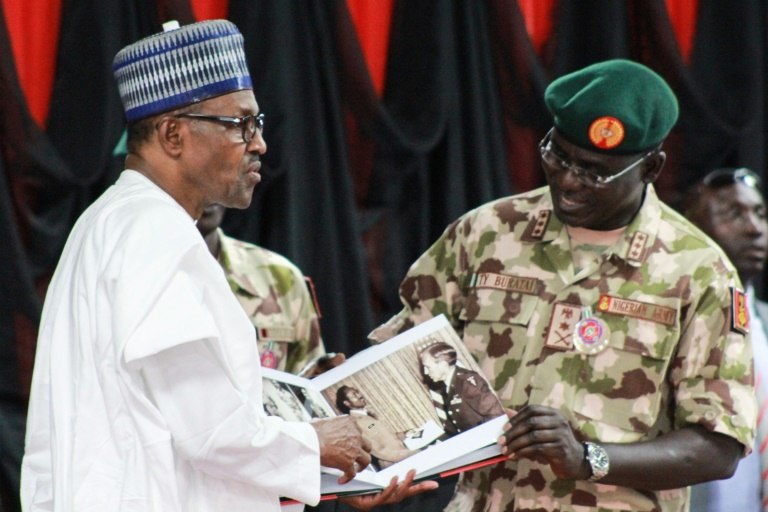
x=739 y=311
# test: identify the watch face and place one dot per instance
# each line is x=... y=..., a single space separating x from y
x=598 y=461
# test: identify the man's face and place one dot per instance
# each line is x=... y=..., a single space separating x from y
x=355 y=399
x=218 y=164
x=598 y=207
x=734 y=216
x=435 y=369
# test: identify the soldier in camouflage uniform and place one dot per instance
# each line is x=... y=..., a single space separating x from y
x=274 y=294
x=610 y=328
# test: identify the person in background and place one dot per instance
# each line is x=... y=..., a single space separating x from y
x=146 y=391
x=461 y=397
x=275 y=295
x=603 y=319
x=727 y=205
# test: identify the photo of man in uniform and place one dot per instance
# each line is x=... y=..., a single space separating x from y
x=462 y=397
x=387 y=446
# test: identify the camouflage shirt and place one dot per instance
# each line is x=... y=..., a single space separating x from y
x=504 y=276
x=274 y=294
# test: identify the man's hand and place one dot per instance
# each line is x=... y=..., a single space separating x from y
x=322 y=364
x=342 y=446
x=542 y=434
x=394 y=493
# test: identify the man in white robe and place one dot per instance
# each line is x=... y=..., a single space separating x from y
x=146 y=393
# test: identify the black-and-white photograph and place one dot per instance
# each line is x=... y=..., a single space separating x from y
x=279 y=400
x=424 y=393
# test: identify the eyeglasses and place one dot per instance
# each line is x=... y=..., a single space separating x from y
x=248 y=124
x=723 y=177
x=584 y=175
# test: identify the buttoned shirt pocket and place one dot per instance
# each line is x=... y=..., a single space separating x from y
x=619 y=392
x=496 y=322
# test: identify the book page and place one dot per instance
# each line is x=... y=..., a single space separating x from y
x=420 y=399
x=292 y=398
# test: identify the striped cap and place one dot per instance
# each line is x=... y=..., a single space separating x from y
x=179 y=67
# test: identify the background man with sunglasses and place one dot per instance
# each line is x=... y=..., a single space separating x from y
x=728 y=206
x=146 y=392
x=603 y=319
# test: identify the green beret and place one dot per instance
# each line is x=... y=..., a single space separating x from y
x=615 y=107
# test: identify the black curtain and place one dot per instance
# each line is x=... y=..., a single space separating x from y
x=304 y=208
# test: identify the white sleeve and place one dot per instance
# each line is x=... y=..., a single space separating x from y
x=176 y=317
x=225 y=433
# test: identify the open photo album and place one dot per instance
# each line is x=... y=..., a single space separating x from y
x=419 y=398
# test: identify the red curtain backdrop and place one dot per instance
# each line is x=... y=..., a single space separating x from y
x=209 y=9
x=682 y=14
x=372 y=21
x=33 y=26
x=538 y=20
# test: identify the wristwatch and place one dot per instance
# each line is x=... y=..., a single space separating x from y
x=598 y=460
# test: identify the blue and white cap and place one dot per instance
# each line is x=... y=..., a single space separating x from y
x=179 y=67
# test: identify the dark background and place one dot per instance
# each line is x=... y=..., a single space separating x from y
x=386 y=120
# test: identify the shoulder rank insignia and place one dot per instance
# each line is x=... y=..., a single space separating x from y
x=637 y=247
x=540 y=224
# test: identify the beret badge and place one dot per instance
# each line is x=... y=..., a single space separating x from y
x=606 y=132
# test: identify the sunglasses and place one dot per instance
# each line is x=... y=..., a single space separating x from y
x=724 y=177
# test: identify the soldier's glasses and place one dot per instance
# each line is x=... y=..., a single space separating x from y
x=248 y=124
x=584 y=175
x=724 y=177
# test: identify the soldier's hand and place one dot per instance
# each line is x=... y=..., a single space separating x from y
x=542 y=434
x=342 y=446
x=394 y=493
x=322 y=364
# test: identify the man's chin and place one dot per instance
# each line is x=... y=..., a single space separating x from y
x=240 y=202
x=576 y=219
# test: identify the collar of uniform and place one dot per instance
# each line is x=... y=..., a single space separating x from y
x=232 y=256
x=631 y=247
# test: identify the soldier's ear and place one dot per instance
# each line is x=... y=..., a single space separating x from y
x=653 y=166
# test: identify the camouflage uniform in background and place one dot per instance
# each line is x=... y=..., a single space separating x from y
x=274 y=295
x=503 y=274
